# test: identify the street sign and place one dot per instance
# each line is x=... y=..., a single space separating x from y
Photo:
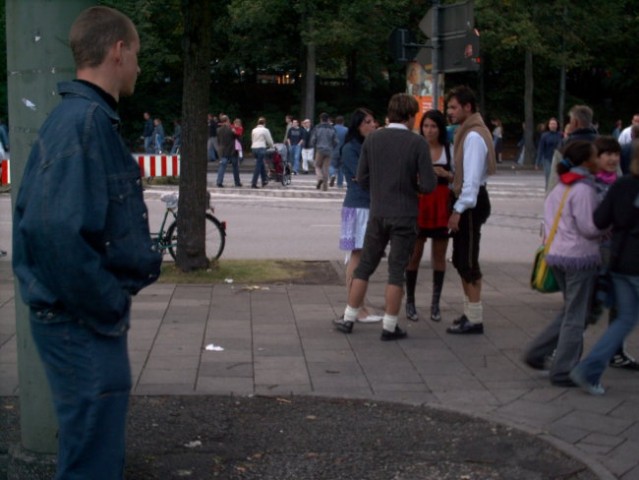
x=458 y=41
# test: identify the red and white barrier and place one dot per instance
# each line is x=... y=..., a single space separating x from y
x=158 y=165
x=5 y=179
x=150 y=166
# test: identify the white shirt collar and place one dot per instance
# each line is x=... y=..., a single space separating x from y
x=397 y=125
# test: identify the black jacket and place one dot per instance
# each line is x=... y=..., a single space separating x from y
x=620 y=208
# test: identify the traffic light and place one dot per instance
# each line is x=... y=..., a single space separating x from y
x=402 y=45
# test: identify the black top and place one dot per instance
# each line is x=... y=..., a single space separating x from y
x=620 y=208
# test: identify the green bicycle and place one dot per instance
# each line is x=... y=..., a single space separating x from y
x=166 y=238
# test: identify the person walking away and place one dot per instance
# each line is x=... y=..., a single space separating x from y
x=82 y=247
x=307 y=150
x=294 y=142
x=158 y=136
x=323 y=141
x=394 y=166
x=261 y=139
x=498 y=143
x=608 y=160
x=176 y=137
x=211 y=144
x=548 y=143
x=238 y=130
x=580 y=127
x=619 y=210
x=147 y=133
x=574 y=259
x=226 y=152
x=473 y=160
x=335 y=170
x=356 y=205
x=432 y=219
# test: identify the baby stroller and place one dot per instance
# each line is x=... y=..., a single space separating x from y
x=279 y=168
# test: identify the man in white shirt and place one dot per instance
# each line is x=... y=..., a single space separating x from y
x=474 y=160
x=625 y=135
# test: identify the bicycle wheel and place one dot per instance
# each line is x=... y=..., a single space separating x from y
x=214 y=239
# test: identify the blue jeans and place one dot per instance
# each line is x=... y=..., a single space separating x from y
x=296 y=153
x=335 y=169
x=148 y=144
x=90 y=379
x=222 y=169
x=627 y=302
x=260 y=169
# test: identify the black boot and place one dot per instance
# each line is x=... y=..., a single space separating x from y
x=438 y=284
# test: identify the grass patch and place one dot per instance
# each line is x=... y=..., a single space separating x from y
x=241 y=271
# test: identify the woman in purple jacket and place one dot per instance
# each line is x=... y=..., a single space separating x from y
x=574 y=258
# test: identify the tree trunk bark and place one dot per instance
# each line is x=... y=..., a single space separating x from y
x=529 y=131
x=193 y=200
x=308 y=108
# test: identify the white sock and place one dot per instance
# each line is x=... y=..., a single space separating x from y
x=350 y=314
x=389 y=322
x=465 y=303
x=475 y=312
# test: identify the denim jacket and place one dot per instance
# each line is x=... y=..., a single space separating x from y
x=80 y=231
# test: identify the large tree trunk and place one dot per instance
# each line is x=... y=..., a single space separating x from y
x=193 y=201
x=308 y=100
x=529 y=130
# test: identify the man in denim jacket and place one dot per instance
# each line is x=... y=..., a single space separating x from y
x=82 y=247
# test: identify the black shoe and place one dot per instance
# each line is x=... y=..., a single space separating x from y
x=319 y=184
x=264 y=184
x=220 y=185
x=435 y=314
x=304 y=172
x=625 y=361
x=411 y=312
x=342 y=325
x=466 y=327
x=332 y=182
x=238 y=185
x=396 y=334
x=254 y=186
x=567 y=382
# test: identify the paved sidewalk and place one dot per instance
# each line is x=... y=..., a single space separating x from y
x=278 y=340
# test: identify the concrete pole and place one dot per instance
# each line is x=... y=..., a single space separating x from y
x=435 y=57
x=38 y=57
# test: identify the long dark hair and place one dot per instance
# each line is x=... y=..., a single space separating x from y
x=439 y=118
x=357 y=118
x=574 y=154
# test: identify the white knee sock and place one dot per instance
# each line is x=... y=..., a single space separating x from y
x=475 y=312
x=465 y=303
x=350 y=314
x=389 y=322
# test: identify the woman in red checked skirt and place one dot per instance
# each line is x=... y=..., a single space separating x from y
x=434 y=212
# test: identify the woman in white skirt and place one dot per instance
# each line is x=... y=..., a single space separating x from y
x=356 y=206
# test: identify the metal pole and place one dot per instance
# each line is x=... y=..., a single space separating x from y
x=435 y=56
x=38 y=57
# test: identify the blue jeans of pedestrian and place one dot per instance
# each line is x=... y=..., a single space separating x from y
x=296 y=153
x=260 y=168
x=335 y=170
x=90 y=379
x=222 y=169
x=148 y=144
x=627 y=303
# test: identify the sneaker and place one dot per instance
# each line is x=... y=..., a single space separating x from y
x=435 y=314
x=465 y=327
x=411 y=312
x=625 y=361
x=343 y=325
x=586 y=386
x=396 y=334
